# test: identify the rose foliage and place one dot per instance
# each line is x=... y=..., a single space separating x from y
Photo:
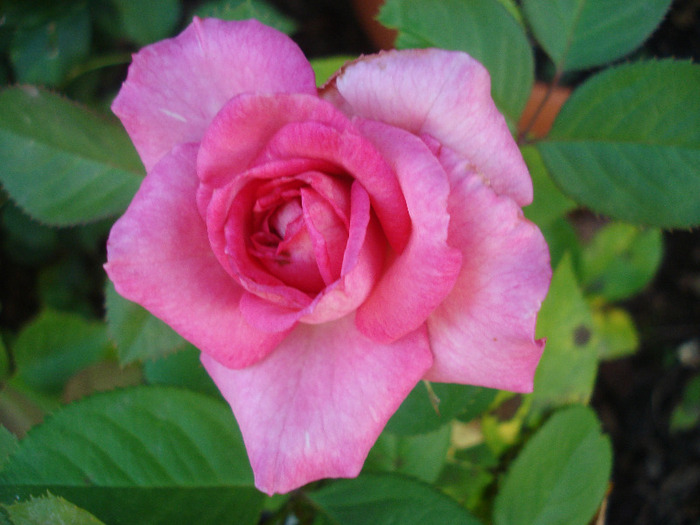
x=327 y=249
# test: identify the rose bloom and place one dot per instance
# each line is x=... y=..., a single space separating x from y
x=327 y=249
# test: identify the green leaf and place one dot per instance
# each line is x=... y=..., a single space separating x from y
x=25 y=240
x=183 y=368
x=138 y=334
x=388 y=499
x=627 y=144
x=578 y=34
x=4 y=361
x=44 y=54
x=549 y=202
x=245 y=9
x=513 y=9
x=324 y=68
x=561 y=474
x=617 y=335
x=482 y=28
x=469 y=475
x=686 y=415
x=567 y=370
x=424 y=411
x=145 y=455
x=62 y=164
x=56 y=345
x=147 y=22
x=422 y=456
x=8 y=445
x=621 y=260
x=562 y=239
x=49 y=510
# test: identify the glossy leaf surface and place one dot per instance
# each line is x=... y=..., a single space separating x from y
x=579 y=34
x=387 y=499
x=561 y=474
x=61 y=163
x=627 y=144
x=139 y=455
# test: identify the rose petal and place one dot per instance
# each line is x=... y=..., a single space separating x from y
x=316 y=405
x=293 y=260
x=158 y=256
x=483 y=333
x=293 y=127
x=228 y=226
x=423 y=274
x=245 y=125
x=328 y=234
x=444 y=94
x=176 y=86
x=270 y=170
x=361 y=270
x=362 y=264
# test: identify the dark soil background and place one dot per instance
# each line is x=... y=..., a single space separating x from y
x=656 y=477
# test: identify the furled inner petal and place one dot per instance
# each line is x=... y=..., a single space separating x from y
x=298 y=236
x=283 y=238
x=327 y=232
x=357 y=157
x=285 y=248
x=362 y=264
x=254 y=131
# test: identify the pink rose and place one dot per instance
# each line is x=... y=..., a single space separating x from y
x=327 y=249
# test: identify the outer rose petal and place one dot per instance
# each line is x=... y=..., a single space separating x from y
x=316 y=405
x=176 y=86
x=423 y=274
x=483 y=333
x=158 y=256
x=444 y=94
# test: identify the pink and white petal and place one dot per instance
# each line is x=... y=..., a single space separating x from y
x=444 y=94
x=158 y=256
x=483 y=333
x=419 y=278
x=176 y=86
x=316 y=405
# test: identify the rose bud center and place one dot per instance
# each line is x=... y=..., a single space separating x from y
x=298 y=235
